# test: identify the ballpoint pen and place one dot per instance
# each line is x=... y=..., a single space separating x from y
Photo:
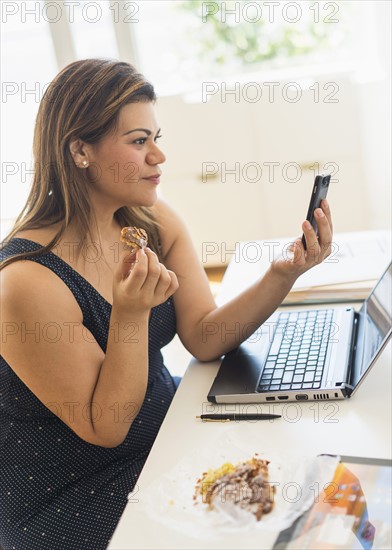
x=236 y=417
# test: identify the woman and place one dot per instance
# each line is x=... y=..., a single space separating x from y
x=83 y=386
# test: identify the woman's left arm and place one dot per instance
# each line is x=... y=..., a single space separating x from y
x=208 y=331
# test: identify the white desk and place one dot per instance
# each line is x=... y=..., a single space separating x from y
x=360 y=426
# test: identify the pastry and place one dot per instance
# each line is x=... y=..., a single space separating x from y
x=134 y=237
x=244 y=484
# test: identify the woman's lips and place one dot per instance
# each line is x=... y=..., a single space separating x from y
x=153 y=179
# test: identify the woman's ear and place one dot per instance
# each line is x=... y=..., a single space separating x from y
x=79 y=153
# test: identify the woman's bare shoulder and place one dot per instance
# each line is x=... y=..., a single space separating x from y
x=16 y=274
x=24 y=282
x=41 y=236
x=171 y=224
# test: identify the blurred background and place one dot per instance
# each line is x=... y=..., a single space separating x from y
x=255 y=99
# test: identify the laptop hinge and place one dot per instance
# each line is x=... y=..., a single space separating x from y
x=353 y=350
x=211 y=398
x=346 y=389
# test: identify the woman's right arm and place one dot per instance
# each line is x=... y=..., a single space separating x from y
x=45 y=342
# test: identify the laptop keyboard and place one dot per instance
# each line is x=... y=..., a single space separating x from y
x=297 y=354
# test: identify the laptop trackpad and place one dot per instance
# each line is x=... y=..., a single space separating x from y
x=238 y=373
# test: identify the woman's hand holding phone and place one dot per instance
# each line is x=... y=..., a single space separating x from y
x=315 y=244
x=319 y=192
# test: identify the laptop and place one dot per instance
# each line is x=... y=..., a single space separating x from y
x=315 y=354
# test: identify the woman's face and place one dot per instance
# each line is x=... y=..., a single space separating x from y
x=124 y=166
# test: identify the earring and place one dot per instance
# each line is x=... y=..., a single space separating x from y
x=85 y=163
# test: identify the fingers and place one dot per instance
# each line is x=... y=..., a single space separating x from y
x=128 y=264
x=298 y=260
x=324 y=225
x=154 y=271
x=144 y=279
x=160 y=281
x=173 y=284
x=167 y=284
x=312 y=245
x=318 y=247
x=327 y=211
x=298 y=252
x=140 y=271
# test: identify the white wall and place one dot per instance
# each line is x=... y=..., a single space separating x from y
x=351 y=135
x=374 y=99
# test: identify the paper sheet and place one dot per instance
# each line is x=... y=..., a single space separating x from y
x=356 y=256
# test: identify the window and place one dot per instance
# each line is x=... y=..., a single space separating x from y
x=93 y=31
x=30 y=60
x=28 y=64
x=183 y=42
x=176 y=44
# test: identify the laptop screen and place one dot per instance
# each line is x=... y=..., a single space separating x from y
x=375 y=324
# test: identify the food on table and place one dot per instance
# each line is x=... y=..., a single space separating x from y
x=245 y=484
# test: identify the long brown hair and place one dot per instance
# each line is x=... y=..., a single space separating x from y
x=83 y=101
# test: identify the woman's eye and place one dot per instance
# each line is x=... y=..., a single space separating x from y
x=142 y=141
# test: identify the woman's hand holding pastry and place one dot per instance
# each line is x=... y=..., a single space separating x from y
x=141 y=282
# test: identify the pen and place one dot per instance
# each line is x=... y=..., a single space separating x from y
x=235 y=417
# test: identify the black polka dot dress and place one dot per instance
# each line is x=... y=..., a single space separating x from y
x=56 y=490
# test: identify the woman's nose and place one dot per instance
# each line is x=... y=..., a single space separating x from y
x=155 y=155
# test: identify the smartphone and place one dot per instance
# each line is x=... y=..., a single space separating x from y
x=320 y=190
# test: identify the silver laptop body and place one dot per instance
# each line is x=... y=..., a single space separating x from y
x=301 y=355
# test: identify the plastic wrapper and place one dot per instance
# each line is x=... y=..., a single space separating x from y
x=298 y=480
